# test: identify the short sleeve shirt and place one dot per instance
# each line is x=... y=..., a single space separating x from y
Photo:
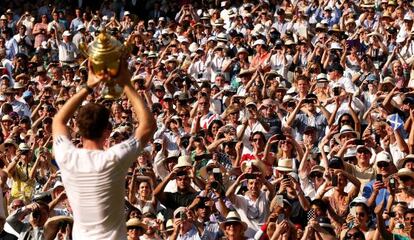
x=94 y=181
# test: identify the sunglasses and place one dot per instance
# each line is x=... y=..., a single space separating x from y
x=255 y=139
x=354 y=235
x=316 y=175
x=405 y=178
x=364 y=152
x=134 y=228
x=383 y=164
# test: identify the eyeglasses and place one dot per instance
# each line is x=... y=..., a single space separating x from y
x=183 y=115
x=364 y=152
x=134 y=228
x=405 y=178
x=361 y=214
x=182 y=178
x=383 y=164
x=316 y=175
x=354 y=235
x=284 y=142
x=17 y=206
x=124 y=117
x=399 y=190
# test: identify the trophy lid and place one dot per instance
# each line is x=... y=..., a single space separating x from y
x=104 y=44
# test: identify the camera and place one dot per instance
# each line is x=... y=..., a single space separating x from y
x=214 y=185
x=185 y=141
x=158 y=147
x=336 y=91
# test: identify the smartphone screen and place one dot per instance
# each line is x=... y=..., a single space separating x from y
x=280 y=217
x=379 y=177
x=279 y=200
x=334 y=180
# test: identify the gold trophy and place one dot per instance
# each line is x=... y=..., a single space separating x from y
x=105 y=54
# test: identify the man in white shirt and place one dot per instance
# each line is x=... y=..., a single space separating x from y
x=335 y=75
x=92 y=175
x=68 y=52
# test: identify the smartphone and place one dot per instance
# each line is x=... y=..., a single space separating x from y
x=280 y=218
x=279 y=200
x=334 y=180
x=320 y=85
x=379 y=177
x=392 y=183
x=353 y=211
x=336 y=91
x=158 y=147
x=36 y=214
x=285 y=177
x=217 y=174
x=359 y=142
x=280 y=137
x=247 y=115
x=250 y=176
x=311 y=214
x=183 y=216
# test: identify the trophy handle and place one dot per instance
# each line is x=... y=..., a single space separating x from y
x=83 y=48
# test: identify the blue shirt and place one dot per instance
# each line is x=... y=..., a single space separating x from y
x=383 y=193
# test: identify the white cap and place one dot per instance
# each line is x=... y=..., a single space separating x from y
x=338 y=85
x=335 y=46
x=80 y=26
x=259 y=42
x=383 y=157
x=66 y=33
x=407 y=18
x=126 y=13
x=182 y=39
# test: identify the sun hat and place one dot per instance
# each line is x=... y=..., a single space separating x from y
x=345 y=129
x=136 y=222
x=53 y=224
x=285 y=165
x=233 y=217
x=253 y=163
x=183 y=161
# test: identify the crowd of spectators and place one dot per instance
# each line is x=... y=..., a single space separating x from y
x=277 y=119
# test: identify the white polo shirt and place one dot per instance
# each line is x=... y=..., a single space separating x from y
x=94 y=181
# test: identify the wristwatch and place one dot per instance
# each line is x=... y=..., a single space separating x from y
x=89 y=89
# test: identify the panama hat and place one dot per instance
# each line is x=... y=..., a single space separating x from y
x=52 y=225
x=183 y=161
x=233 y=217
x=135 y=222
x=345 y=129
x=285 y=165
x=250 y=163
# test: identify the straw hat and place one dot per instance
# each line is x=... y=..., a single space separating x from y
x=345 y=129
x=135 y=222
x=250 y=163
x=233 y=217
x=285 y=165
x=405 y=172
x=402 y=161
x=183 y=161
x=52 y=225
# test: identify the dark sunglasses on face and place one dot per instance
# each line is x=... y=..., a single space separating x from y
x=316 y=174
x=405 y=178
x=355 y=235
x=383 y=164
